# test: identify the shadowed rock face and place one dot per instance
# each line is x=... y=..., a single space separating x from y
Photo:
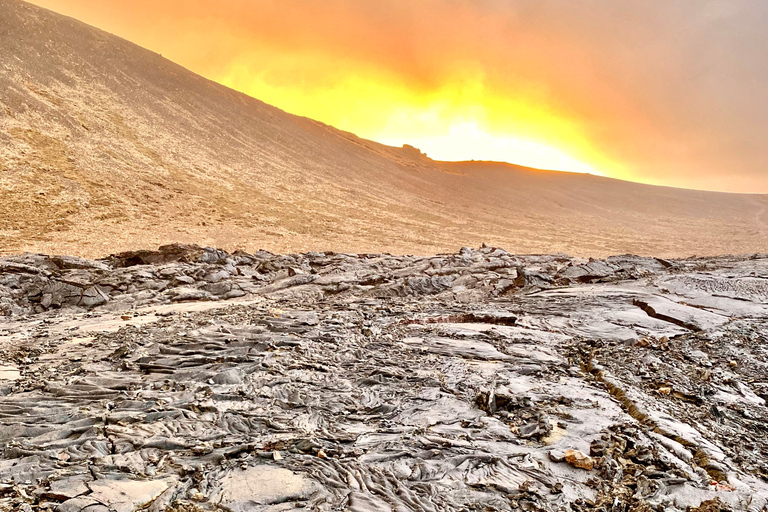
x=327 y=381
x=106 y=147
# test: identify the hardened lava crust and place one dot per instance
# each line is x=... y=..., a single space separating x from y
x=192 y=379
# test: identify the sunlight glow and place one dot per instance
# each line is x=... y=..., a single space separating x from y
x=467 y=141
x=473 y=95
x=460 y=120
x=518 y=81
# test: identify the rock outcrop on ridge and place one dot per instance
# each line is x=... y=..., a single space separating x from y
x=194 y=379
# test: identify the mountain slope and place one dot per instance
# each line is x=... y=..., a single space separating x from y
x=105 y=146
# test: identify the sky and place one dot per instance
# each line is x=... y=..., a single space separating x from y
x=671 y=92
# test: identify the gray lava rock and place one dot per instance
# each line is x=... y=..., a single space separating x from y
x=369 y=382
x=229 y=377
x=189 y=294
x=184 y=279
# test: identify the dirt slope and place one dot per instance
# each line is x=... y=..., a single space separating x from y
x=105 y=146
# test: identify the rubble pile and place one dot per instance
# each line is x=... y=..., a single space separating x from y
x=190 y=379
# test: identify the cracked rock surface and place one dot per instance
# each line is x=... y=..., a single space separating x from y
x=190 y=379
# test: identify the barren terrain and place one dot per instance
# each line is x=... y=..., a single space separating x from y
x=341 y=376
x=190 y=379
x=105 y=146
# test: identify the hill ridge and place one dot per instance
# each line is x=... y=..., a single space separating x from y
x=106 y=146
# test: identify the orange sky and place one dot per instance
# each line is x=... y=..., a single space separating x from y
x=669 y=93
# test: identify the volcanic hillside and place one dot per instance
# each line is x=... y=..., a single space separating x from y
x=105 y=146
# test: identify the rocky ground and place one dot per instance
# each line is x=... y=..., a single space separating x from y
x=191 y=379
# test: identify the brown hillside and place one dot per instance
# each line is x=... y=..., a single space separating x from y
x=105 y=146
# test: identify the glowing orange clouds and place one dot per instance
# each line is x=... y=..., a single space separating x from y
x=611 y=88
